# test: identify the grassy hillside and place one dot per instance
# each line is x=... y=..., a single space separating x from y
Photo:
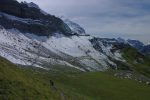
x=140 y=63
x=18 y=83
x=23 y=84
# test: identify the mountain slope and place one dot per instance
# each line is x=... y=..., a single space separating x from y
x=82 y=52
x=136 y=59
x=53 y=59
x=27 y=83
x=21 y=84
x=30 y=47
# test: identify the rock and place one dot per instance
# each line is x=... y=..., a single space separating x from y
x=147 y=83
x=140 y=81
x=115 y=74
x=30 y=19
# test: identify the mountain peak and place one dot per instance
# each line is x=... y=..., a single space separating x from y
x=121 y=40
x=76 y=28
x=31 y=4
x=29 y=18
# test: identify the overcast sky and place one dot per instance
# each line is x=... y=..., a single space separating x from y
x=104 y=18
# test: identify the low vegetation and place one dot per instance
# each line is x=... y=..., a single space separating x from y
x=23 y=83
x=139 y=62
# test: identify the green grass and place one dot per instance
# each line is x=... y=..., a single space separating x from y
x=18 y=83
x=143 y=62
x=102 y=86
x=23 y=84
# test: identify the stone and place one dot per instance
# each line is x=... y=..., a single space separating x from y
x=147 y=83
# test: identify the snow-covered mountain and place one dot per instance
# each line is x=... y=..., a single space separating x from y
x=32 y=38
x=76 y=28
x=41 y=51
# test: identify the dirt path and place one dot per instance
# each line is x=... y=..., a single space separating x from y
x=63 y=97
x=61 y=93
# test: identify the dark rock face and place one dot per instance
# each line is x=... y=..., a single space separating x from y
x=96 y=42
x=31 y=19
x=21 y=10
x=119 y=45
x=10 y=7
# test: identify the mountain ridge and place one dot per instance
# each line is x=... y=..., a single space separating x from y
x=30 y=19
x=72 y=48
x=43 y=57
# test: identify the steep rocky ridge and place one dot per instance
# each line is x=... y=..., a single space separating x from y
x=30 y=19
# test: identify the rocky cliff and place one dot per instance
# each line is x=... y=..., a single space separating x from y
x=30 y=19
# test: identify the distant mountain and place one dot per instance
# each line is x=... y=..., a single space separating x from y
x=136 y=43
x=121 y=40
x=146 y=49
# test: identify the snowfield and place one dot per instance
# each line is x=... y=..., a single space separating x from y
x=39 y=51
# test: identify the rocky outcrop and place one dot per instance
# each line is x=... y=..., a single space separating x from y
x=30 y=19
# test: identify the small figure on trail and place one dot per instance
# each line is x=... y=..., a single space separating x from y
x=62 y=95
x=51 y=83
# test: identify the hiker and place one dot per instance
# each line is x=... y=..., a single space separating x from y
x=51 y=83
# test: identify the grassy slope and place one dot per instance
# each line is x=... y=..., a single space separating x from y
x=27 y=84
x=21 y=84
x=143 y=66
x=100 y=86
